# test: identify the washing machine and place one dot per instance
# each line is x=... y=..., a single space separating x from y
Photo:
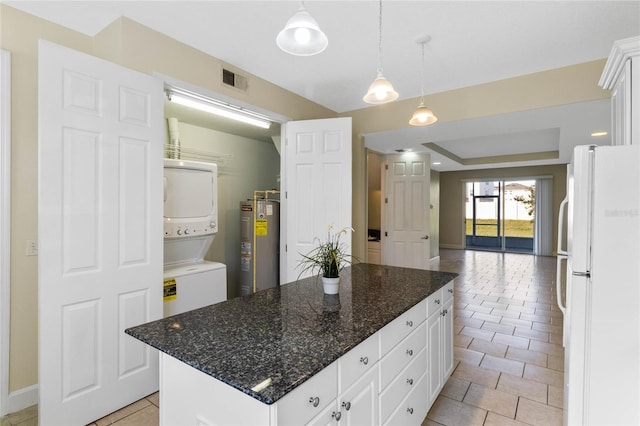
x=194 y=286
x=190 y=226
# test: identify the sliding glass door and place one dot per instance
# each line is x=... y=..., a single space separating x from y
x=500 y=215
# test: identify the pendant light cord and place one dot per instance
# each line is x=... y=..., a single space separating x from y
x=422 y=74
x=380 y=38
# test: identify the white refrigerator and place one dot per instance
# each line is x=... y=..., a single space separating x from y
x=601 y=297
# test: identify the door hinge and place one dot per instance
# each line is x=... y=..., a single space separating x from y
x=285 y=248
x=386 y=200
x=386 y=167
x=385 y=234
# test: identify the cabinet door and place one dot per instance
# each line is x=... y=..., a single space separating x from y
x=447 y=341
x=359 y=404
x=330 y=416
x=434 y=351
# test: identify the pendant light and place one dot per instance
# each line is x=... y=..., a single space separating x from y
x=380 y=91
x=422 y=116
x=302 y=35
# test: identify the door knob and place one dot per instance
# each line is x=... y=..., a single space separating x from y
x=426 y=237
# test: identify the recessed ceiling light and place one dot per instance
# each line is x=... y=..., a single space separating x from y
x=436 y=163
x=595 y=134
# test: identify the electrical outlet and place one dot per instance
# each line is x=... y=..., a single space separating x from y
x=32 y=248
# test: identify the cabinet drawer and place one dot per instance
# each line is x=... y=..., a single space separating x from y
x=402 y=355
x=434 y=302
x=447 y=292
x=413 y=409
x=392 y=333
x=356 y=362
x=308 y=399
x=402 y=384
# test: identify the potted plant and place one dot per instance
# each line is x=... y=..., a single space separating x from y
x=327 y=258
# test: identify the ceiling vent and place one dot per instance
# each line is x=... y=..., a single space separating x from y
x=234 y=80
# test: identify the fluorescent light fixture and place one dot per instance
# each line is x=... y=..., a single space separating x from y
x=192 y=100
x=596 y=134
x=436 y=163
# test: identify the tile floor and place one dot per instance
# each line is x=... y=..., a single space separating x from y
x=508 y=351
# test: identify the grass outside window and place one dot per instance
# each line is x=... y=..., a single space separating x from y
x=512 y=227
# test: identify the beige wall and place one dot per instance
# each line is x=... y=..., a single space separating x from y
x=132 y=45
x=452 y=196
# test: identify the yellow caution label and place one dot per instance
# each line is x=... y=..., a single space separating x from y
x=170 y=289
x=261 y=227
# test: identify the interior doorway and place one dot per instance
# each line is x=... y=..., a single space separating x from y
x=500 y=215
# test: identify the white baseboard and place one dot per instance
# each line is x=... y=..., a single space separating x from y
x=22 y=398
x=452 y=246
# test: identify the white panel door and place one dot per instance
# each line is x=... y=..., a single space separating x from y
x=100 y=233
x=317 y=187
x=406 y=211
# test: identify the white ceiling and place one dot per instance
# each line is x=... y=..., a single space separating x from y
x=472 y=42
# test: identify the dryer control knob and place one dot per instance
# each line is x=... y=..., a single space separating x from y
x=212 y=224
x=179 y=232
x=186 y=232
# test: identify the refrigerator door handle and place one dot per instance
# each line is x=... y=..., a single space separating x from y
x=581 y=274
x=561 y=216
x=561 y=257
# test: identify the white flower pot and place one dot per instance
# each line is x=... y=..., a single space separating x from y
x=331 y=285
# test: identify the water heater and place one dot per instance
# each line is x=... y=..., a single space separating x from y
x=259 y=245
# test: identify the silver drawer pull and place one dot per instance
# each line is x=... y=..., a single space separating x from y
x=364 y=360
x=410 y=410
x=346 y=405
x=337 y=415
x=410 y=323
x=314 y=400
x=444 y=312
x=410 y=381
x=437 y=301
x=410 y=352
x=450 y=290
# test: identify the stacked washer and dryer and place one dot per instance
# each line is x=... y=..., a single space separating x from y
x=190 y=225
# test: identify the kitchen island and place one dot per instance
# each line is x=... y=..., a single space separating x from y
x=292 y=355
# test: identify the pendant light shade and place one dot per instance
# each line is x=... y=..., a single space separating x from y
x=423 y=115
x=380 y=91
x=302 y=35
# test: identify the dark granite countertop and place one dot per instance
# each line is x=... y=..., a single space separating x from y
x=289 y=333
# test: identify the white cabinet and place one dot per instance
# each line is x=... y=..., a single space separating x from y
x=356 y=362
x=412 y=410
x=310 y=398
x=403 y=363
x=439 y=340
x=358 y=405
x=373 y=252
x=621 y=76
x=391 y=378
